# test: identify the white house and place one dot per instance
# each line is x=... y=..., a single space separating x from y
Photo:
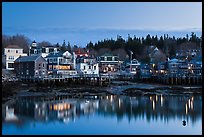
x=87 y=66
x=61 y=63
x=35 y=49
x=12 y=52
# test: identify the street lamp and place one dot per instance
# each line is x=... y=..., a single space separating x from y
x=130 y=60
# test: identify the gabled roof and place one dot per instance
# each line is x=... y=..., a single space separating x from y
x=14 y=47
x=26 y=58
x=55 y=54
x=107 y=54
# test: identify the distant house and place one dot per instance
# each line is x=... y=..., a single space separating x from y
x=183 y=68
x=195 y=66
x=173 y=66
x=80 y=53
x=162 y=68
x=145 y=71
x=30 y=67
x=61 y=63
x=108 y=63
x=87 y=66
x=43 y=51
x=12 y=52
x=131 y=67
x=156 y=55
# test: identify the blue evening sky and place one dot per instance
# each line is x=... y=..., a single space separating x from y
x=81 y=22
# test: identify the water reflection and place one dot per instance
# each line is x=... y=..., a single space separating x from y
x=146 y=107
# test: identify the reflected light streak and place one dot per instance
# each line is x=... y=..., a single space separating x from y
x=192 y=104
x=186 y=109
x=156 y=98
x=189 y=101
x=119 y=103
x=153 y=105
x=161 y=101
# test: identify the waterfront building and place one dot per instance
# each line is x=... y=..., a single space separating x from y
x=61 y=64
x=108 y=64
x=35 y=49
x=80 y=53
x=29 y=67
x=11 y=53
x=162 y=68
x=145 y=71
x=131 y=66
x=173 y=66
x=87 y=66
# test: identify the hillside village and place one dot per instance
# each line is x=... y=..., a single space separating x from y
x=50 y=62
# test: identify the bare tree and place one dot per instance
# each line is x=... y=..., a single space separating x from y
x=44 y=44
x=19 y=40
x=121 y=53
x=102 y=51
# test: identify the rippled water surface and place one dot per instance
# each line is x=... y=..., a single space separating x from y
x=143 y=114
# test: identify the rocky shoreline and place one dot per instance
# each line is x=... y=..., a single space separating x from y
x=17 y=89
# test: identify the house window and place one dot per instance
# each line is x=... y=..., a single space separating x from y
x=102 y=58
x=89 y=67
x=8 y=50
x=84 y=67
x=36 y=72
x=55 y=60
x=50 y=60
x=10 y=65
x=94 y=67
x=16 y=51
x=39 y=66
x=27 y=72
x=109 y=58
x=43 y=65
x=50 y=67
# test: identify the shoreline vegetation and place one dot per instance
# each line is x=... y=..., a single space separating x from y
x=12 y=90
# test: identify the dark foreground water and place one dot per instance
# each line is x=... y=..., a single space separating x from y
x=143 y=114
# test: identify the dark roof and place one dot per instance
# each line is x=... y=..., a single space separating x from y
x=108 y=54
x=14 y=46
x=26 y=58
x=85 y=57
x=58 y=54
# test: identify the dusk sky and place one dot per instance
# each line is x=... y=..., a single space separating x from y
x=81 y=22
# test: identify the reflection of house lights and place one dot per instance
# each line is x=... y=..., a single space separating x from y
x=153 y=105
x=192 y=104
x=119 y=103
x=156 y=98
x=161 y=101
x=186 y=109
x=62 y=106
x=150 y=98
x=189 y=101
x=111 y=99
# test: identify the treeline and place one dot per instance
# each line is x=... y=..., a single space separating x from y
x=120 y=46
x=168 y=45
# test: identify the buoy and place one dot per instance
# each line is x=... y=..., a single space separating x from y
x=184 y=123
